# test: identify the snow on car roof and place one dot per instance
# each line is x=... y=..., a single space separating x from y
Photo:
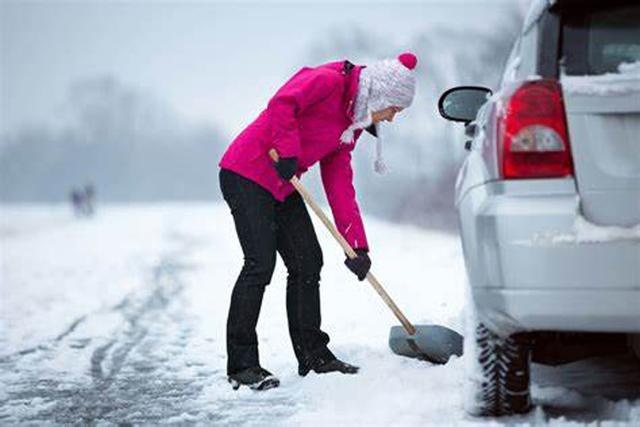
x=536 y=9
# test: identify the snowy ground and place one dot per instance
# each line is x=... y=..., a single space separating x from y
x=120 y=318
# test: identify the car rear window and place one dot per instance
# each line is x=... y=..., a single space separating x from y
x=598 y=40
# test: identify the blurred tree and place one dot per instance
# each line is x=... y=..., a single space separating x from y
x=134 y=147
x=130 y=145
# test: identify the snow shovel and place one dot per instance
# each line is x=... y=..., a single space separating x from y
x=432 y=343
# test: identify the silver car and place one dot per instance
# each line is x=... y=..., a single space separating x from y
x=549 y=199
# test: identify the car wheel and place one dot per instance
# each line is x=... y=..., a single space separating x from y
x=503 y=364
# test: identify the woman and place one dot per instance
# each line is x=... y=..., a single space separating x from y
x=317 y=116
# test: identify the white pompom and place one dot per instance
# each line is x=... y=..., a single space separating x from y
x=380 y=167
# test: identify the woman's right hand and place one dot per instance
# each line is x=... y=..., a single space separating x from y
x=360 y=265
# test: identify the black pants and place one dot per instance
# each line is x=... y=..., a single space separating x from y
x=264 y=226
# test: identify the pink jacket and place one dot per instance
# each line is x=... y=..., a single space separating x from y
x=305 y=119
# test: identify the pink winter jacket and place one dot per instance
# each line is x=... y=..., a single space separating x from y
x=305 y=119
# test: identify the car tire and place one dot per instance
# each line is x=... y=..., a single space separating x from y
x=503 y=388
x=634 y=344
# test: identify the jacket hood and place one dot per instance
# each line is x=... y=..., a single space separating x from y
x=351 y=73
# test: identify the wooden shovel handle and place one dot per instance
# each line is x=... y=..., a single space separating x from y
x=346 y=247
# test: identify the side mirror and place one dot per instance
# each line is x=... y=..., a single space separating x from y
x=461 y=103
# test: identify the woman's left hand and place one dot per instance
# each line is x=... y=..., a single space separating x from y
x=286 y=167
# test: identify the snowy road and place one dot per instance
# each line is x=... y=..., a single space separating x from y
x=121 y=319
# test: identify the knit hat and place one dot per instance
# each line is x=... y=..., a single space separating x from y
x=383 y=84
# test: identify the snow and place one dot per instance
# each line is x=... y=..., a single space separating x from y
x=473 y=369
x=511 y=70
x=626 y=80
x=536 y=9
x=584 y=231
x=629 y=67
x=95 y=254
x=121 y=319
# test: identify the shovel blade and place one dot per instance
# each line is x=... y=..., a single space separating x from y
x=433 y=343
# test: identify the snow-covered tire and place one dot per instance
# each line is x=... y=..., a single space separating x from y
x=504 y=383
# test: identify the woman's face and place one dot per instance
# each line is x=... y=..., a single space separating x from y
x=385 y=115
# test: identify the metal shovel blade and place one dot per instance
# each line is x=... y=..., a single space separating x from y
x=433 y=343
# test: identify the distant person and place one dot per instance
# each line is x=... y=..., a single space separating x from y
x=89 y=199
x=76 y=198
x=317 y=116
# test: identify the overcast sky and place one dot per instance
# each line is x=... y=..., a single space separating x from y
x=210 y=61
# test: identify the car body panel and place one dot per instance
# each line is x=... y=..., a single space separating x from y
x=509 y=311
x=517 y=241
x=527 y=267
x=605 y=135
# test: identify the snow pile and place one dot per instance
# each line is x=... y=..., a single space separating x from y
x=587 y=232
x=473 y=371
x=626 y=80
x=629 y=67
x=584 y=231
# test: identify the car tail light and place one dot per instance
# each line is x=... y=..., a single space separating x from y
x=532 y=133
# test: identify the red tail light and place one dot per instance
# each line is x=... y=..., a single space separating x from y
x=532 y=133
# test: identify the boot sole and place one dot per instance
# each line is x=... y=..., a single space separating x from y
x=353 y=371
x=266 y=384
x=345 y=371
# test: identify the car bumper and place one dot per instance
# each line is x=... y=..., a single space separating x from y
x=508 y=310
x=530 y=263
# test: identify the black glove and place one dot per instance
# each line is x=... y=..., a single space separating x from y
x=286 y=167
x=359 y=265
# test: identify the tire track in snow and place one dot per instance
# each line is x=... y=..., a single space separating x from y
x=167 y=285
x=109 y=396
x=69 y=330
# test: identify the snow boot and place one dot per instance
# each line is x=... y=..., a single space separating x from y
x=255 y=378
x=324 y=366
